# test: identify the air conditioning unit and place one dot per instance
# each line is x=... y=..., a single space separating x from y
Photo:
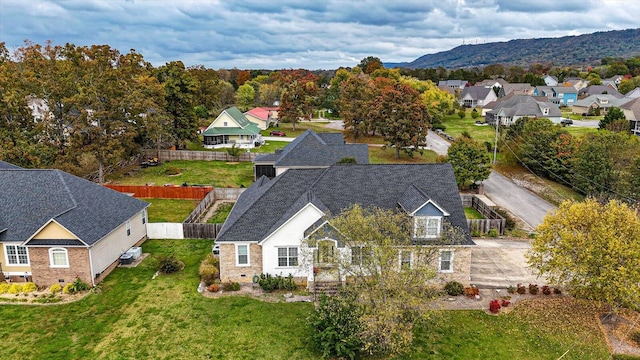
x=135 y=252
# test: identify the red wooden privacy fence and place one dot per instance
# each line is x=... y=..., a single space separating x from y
x=163 y=192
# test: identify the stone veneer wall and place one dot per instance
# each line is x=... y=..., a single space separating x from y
x=228 y=269
x=461 y=267
x=44 y=274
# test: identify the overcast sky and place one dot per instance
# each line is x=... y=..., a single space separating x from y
x=311 y=34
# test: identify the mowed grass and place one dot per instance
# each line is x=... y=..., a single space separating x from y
x=456 y=126
x=170 y=210
x=214 y=173
x=135 y=316
x=471 y=213
x=301 y=127
x=387 y=155
x=221 y=214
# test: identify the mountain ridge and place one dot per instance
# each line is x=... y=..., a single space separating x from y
x=585 y=49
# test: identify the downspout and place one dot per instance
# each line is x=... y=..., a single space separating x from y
x=93 y=282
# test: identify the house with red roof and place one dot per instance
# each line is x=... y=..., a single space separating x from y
x=262 y=116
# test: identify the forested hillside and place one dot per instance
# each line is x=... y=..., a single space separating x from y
x=585 y=49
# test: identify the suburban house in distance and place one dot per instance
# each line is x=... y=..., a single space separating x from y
x=473 y=96
x=231 y=128
x=559 y=95
x=267 y=228
x=262 y=116
x=55 y=227
x=631 y=110
x=597 y=104
x=309 y=150
x=511 y=108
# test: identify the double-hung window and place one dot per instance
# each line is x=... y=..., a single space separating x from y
x=406 y=258
x=445 y=261
x=16 y=255
x=58 y=257
x=427 y=226
x=242 y=252
x=359 y=255
x=287 y=256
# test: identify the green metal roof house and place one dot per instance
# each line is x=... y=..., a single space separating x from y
x=230 y=128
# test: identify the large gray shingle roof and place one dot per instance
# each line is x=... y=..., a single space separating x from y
x=316 y=150
x=267 y=204
x=524 y=105
x=30 y=198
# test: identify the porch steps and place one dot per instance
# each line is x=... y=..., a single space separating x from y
x=326 y=287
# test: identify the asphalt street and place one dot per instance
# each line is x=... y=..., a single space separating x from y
x=527 y=206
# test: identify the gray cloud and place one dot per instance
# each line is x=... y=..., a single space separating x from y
x=297 y=33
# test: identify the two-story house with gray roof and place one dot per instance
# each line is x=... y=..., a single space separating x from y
x=508 y=110
x=310 y=150
x=473 y=96
x=55 y=227
x=231 y=128
x=267 y=228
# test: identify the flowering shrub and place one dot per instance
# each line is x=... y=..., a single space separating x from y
x=521 y=289
x=55 y=288
x=505 y=303
x=15 y=288
x=214 y=287
x=546 y=290
x=4 y=287
x=533 y=289
x=29 y=287
x=494 y=306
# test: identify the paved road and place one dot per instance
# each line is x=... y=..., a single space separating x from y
x=503 y=192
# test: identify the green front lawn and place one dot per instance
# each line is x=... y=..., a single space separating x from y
x=214 y=173
x=137 y=316
x=170 y=210
x=456 y=126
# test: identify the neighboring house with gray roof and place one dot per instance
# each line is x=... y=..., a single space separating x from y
x=597 y=104
x=550 y=80
x=559 y=95
x=55 y=227
x=635 y=93
x=631 y=110
x=518 y=89
x=508 y=110
x=310 y=150
x=599 y=90
x=231 y=128
x=473 y=96
x=267 y=227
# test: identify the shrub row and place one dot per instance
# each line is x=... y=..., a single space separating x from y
x=270 y=283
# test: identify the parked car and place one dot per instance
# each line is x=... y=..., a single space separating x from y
x=277 y=133
x=566 y=122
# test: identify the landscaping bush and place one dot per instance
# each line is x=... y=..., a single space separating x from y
x=231 y=286
x=533 y=289
x=492 y=233
x=557 y=291
x=462 y=113
x=169 y=264
x=471 y=291
x=29 y=287
x=55 y=288
x=4 y=287
x=475 y=114
x=521 y=289
x=172 y=170
x=269 y=283
x=511 y=289
x=209 y=269
x=546 y=290
x=454 y=288
x=15 y=288
x=75 y=287
x=234 y=151
x=336 y=325
x=510 y=223
x=505 y=302
x=214 y=287
x=494 y=306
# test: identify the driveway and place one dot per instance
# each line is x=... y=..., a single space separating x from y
x=498 y=263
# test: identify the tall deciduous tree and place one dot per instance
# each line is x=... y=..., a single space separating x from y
x=355 y=95
x=298 y=95
x=179 y=89
x=245 y=97
x=405 y=118
x=470 y=160
x=389 y=294
x=593 y=250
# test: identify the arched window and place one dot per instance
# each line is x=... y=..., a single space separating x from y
x=58 y=257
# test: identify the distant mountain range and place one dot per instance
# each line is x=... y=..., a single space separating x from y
x=585 y=49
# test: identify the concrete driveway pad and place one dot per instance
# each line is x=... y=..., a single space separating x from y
x=498 y=263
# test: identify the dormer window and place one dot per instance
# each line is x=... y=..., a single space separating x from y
x=427 y=227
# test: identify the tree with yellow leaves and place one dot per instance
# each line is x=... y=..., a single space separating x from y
x=593 y=249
